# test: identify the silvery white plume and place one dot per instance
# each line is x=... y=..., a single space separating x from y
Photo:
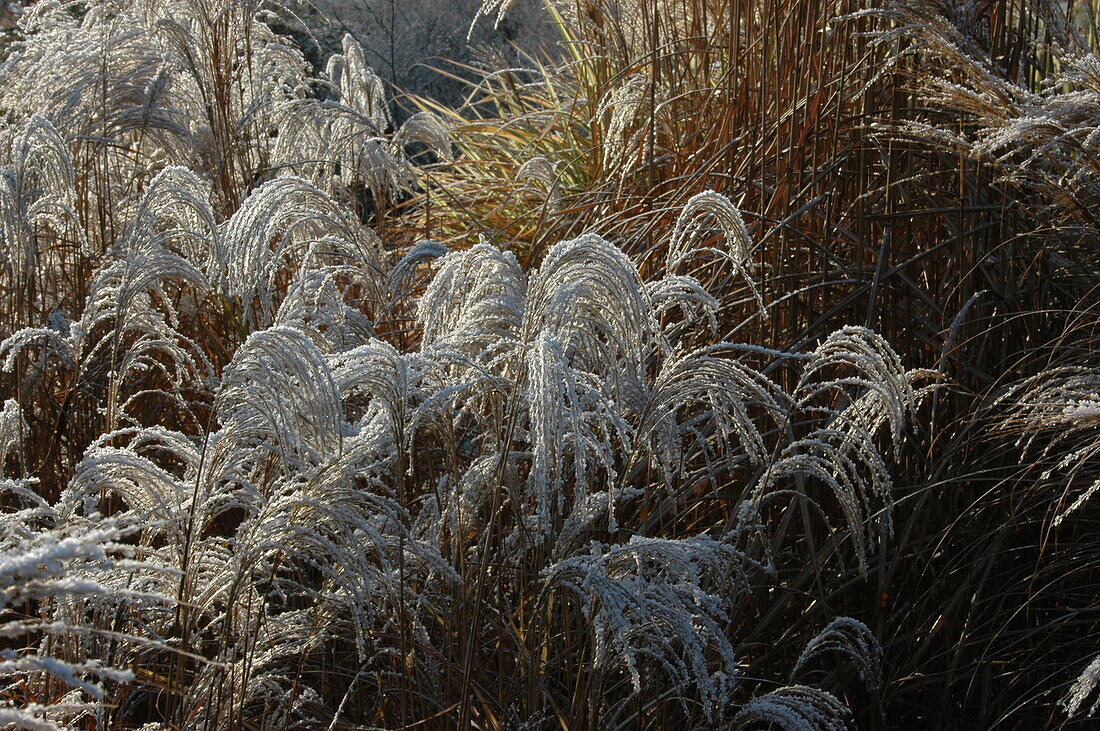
x=794 y=708
x=656 y=609
x=851 y=639
x=736 y=249
x=283 y=223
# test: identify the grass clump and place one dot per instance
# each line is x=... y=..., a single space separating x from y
x=733 y=368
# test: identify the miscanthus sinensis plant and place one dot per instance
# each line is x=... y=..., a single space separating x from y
x=264 y=468
x=1053 y=422
x=1028 y=120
